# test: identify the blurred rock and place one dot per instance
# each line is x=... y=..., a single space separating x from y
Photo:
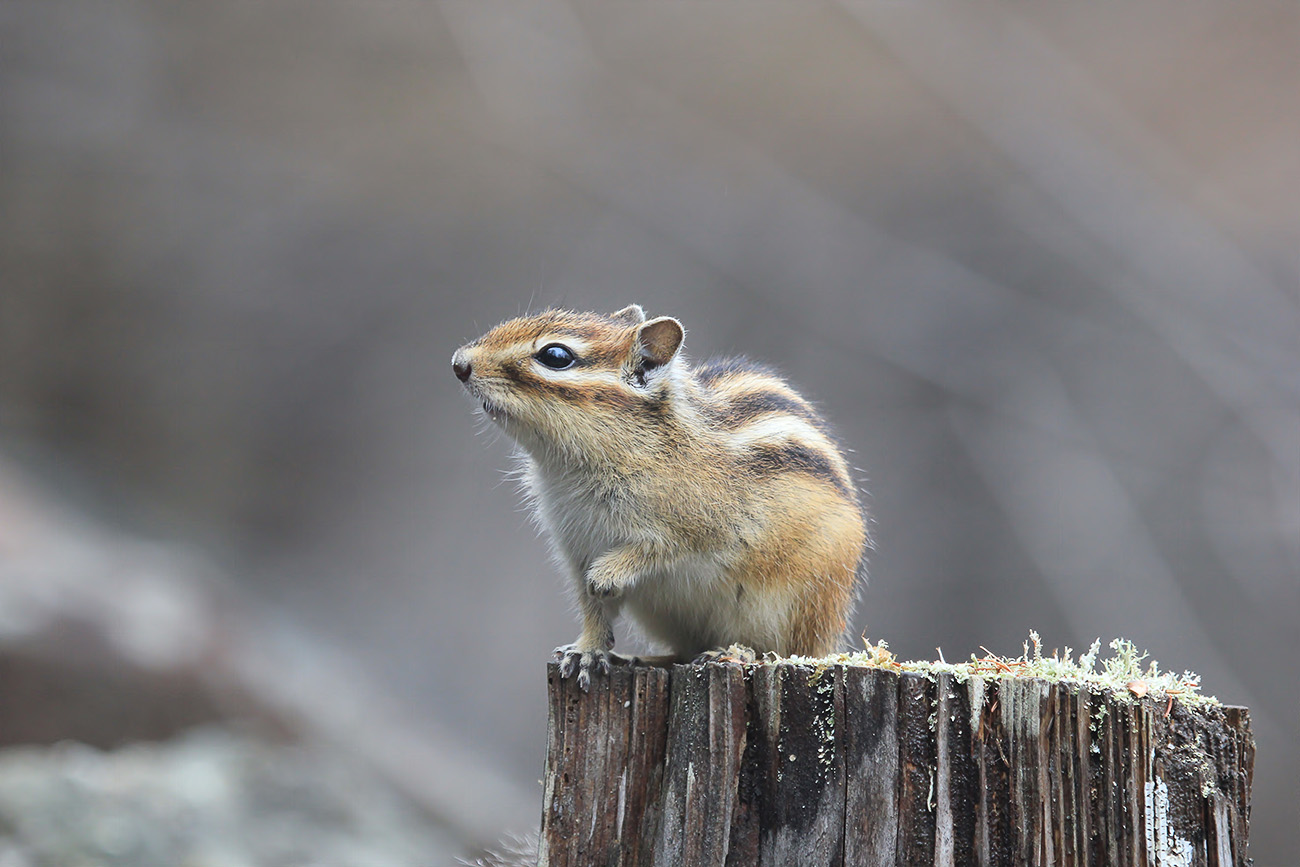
x=68 y=683
x=104 y=639
x=109 y=640
x=213 y=797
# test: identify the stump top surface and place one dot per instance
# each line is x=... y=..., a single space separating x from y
x=1127 y=671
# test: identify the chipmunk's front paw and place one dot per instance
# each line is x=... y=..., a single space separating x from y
x=573 y=658
x=738 y=653
x=599 y=587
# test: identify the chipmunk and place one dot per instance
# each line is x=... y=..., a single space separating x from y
x=710 y=503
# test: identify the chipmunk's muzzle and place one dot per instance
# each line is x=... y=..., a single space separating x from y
x=464 y=370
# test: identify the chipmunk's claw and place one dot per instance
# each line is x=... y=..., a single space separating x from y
x=573 y=659
x=736 y=653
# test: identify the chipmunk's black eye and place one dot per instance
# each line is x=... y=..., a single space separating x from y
x=556 y=356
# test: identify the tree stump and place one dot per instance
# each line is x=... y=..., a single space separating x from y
x=799 y=764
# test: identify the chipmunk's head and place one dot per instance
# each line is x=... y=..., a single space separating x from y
x=573 y=383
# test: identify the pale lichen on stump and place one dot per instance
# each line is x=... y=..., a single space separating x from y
x=845 y=764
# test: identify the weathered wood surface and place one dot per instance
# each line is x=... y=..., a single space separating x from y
x=783 y=764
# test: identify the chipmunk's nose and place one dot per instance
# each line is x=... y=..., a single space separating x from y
x=462 y=368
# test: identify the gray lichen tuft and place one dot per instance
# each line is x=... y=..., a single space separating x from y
x=1123 y=672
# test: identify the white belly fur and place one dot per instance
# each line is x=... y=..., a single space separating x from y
x=699 y=606
x=693 y=606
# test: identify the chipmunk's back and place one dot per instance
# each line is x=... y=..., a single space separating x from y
x=769 y=426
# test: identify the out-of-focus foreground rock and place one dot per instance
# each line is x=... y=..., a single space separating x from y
x=210 y=798
x=151 y=716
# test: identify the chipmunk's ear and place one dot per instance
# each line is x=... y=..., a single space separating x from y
x=631 y=314
x=659 y=339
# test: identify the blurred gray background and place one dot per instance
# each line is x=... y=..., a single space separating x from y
x=1038 y=263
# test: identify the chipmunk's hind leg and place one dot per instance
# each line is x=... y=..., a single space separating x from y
x=594 y=647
